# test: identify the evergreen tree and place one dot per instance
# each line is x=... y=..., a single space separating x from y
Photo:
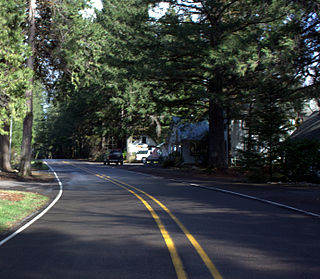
x=203 y=59
x=13 y=75
x=45 y=37
x=244 y=41
x=125 y=29
x=26 y=149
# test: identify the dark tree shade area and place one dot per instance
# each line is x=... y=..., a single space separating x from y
x=75 y=82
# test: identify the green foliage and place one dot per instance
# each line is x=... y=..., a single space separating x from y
x=123 y=73
x=301 y=160
x=39 y=165
x=61 y=29
x=100 y=57
x=12 y=212
x=251 y=159
x=14 y=77
x=257 y=175
x=293 y=161
x=232 y=54
x=39 y=138
x=174 y=159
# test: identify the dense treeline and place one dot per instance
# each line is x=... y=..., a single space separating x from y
x=121 y=72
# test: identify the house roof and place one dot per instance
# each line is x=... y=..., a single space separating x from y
x=309 y=129
x=192 y=131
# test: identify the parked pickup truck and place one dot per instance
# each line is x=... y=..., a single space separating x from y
x=114 y=156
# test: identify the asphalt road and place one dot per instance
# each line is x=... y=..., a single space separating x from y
x=114 y=223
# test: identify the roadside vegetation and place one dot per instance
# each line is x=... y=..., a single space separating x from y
x=15 y=206
x=95 y=80
x=39 y=165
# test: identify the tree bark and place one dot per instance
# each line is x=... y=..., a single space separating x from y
x=26 y=150
x=4 y=151
x=155 y=120
x=217 y=147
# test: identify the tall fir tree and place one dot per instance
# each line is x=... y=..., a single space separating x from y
x=243 y=41
x=13 y=74
x=26 y=149
x=46 y=29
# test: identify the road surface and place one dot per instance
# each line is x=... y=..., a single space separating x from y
x=114 y=223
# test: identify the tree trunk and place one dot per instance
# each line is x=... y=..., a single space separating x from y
x=26 y=150
x=155 y=120
x=248 y=129
x=4 y=151
x=217 y=147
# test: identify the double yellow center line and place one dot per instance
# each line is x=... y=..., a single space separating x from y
x=166 y=236
x=178 y=265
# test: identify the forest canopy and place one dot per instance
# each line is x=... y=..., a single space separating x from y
x=95 y=79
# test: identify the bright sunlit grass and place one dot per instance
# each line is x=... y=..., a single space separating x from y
x=16 y=206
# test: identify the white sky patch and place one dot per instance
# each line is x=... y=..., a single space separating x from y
x=159 y=11
x=97 y=4
x=89 y=13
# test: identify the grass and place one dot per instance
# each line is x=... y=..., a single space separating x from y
x=16 y=206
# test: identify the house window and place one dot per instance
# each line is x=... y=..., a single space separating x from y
x=196 y=148
x=144 y=140
x=193 y=148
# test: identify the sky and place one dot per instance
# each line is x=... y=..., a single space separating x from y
x=90 y=12
x=156 y=12
x=97 y=4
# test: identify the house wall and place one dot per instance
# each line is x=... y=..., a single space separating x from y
x=177 y=143
x=237 y=134
x=186 y=154
x=195 y=156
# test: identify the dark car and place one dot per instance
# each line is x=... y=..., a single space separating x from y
x=114 y=156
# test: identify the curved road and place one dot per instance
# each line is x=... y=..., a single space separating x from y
x=113 y=223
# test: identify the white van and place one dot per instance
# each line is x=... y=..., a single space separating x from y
x=143 y=154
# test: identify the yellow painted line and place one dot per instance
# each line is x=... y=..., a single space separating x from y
x=181 y=274
x=205 y=258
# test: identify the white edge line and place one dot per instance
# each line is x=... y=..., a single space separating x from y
x=236 y=194
x=40 y=214
x=261 y=200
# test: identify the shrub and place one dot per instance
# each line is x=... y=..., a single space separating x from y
x=301 y=160
x=174 y=159
x=39 y=165
x=256 y=175
x=251 y=160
